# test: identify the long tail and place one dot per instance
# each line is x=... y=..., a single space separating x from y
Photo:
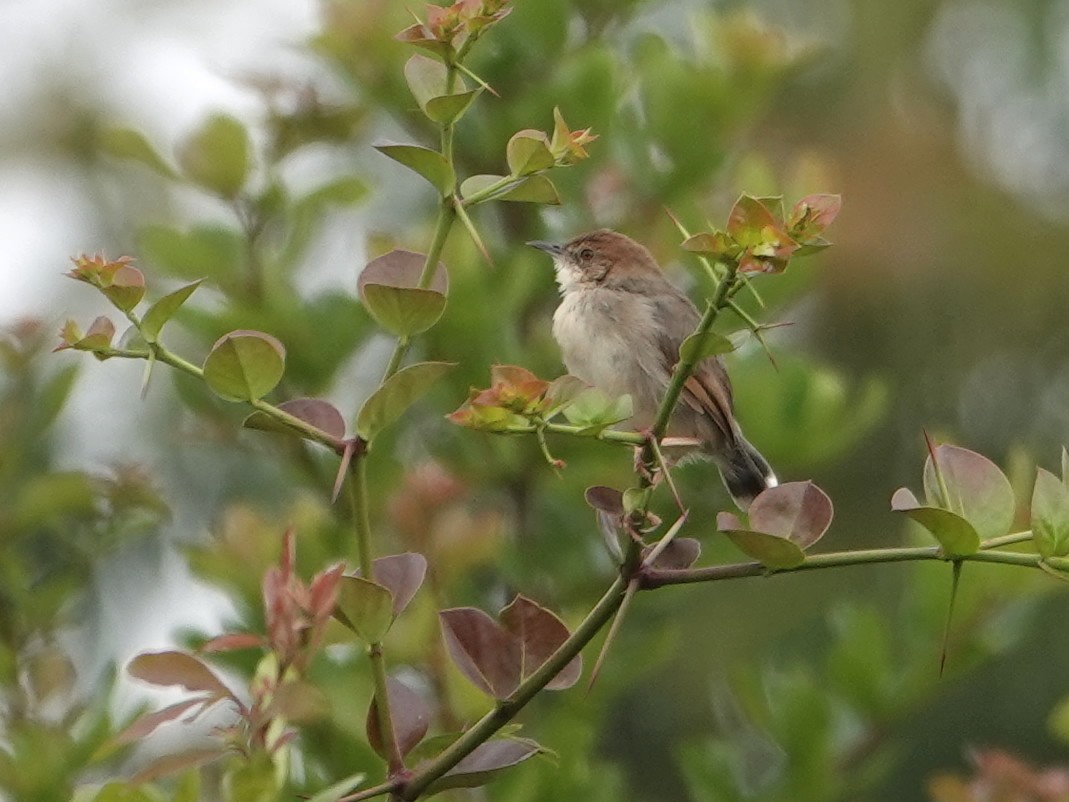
x=744 y=471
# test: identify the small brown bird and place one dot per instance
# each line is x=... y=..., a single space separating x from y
x=620 y=324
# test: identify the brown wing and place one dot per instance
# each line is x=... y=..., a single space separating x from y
x=708 y=389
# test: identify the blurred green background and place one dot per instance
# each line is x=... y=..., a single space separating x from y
x=940 y=308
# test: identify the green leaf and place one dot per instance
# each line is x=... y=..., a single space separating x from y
x=216 y=156
x=396 y=395
x=979 y=492
x=343 y=191
x=203 y=250
x=528 y=152
x=1050 y=515
x=244 y=365
x=403 y=311
x=449 y=108
x=365 y=607
x=697 y=347
x=530 y=189
x=428 y=163
x=772 y=551
x=955 y=534
x=594 y=410
x=128 y=143
x=164 y=309
x=426 y=78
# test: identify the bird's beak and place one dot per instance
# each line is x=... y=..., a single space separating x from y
x=552 y=248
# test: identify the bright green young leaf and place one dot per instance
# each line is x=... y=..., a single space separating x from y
x=365 y=607
x=128 y=143
x=244 y=365
x=528 y=152
x=979 y=492
x=164 y=309
x=717 y=244
x=398 y=393
x=1050 y=515
x=955 y=534
x=697 y=347
x=428 y=163
x=593 y=409
x=217 y=155
x=403 y=311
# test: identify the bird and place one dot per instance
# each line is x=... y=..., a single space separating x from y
x=619 y=325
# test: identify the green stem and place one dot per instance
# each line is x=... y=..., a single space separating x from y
x=1006 y=540
x=362 y=529
x=488 y=192
x=506 y=709
x=656 y=578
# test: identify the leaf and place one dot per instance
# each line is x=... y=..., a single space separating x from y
x=426 y=78
x=244 y=365
x=485 y=762
x=314 y=411
x=594 y=410
x=147 y=724
x=164 y=309
x=409 y=714
x=299 y=702
x=428 y=163
x=1050 y=515
x=216 y=156
x=605 y=499
x=174 y=763
x=955 y=535
x=798 y=511
x=332 y=793
x=449 y=108
x=540 y=634
x=682 y=552
x=698 y=346
x=232 y=641
x=403 y=311
x=402 y=575
x=979 y=492
x=812 y=215
x=365 y=607
x=771 y=551
x=128 y=143
x=530 y=189
x=400 y=268
x=718 y=244
x=485 y=653
x=528 y=152
x=126 y=288
x=396 y=395
x=177 y=668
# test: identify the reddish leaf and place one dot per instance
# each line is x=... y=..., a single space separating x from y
x=798 y=511
x=127 y=287
x=148 y=723
x=321 y=414
x=402 y=575
x=979 y=492
x=485 y=653
x=605 y=499
x=682 y=552
x=409 y=713
x=232 y=642
x=485 y=762
x=177 y=668
x=812 y=214
x=540 y=634
x=323 y=592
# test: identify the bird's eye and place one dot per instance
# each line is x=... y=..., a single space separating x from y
x=586 y=254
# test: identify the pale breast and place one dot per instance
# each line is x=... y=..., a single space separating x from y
x=600 y=335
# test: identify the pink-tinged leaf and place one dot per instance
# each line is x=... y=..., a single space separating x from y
x=313 y=411
x=147 y=724
x=540 y=634
x=410 y=716
x=400 y=268
x=1050 y=515
x=605 y=499
x=169 y=765
x=422 y=36
x=485 y=653
x=323 y=592
x=486 y=762
x=177 y=668
x=812 y=214
x=957 y=536
x=717 y=244
x=232 y=642
x=797 y=511
x=682 y=552
x=126 y=289
x=244 y=365
x=978 y=491
x=402 y=575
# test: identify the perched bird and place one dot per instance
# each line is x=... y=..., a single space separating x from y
x=620 y=324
